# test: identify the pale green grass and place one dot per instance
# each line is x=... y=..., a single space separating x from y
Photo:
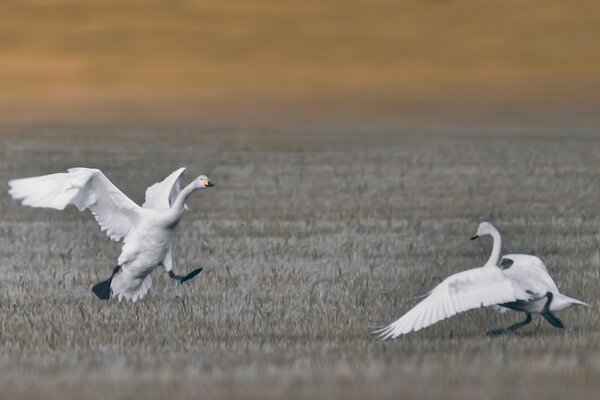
x=307 y=239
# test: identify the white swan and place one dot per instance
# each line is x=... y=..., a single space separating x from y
x=521 y=283
x=147 y=231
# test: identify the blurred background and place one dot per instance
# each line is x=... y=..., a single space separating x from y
x=186 y=60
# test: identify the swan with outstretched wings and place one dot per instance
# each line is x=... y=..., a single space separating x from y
x=518 y=282
x=147 y=232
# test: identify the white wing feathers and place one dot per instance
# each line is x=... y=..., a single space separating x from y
x=84 y=188
x=479 y=287
x=530 y=273
x=162 y=194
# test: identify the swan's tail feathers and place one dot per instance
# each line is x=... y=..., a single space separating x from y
x=576 y=302
x=128 y=287
x=560 y=302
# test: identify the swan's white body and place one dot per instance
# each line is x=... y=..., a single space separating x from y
x=523 y=285
x=147 y=232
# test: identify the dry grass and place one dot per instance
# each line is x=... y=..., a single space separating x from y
x=306 y=240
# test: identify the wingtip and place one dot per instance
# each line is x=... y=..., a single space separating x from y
x=12 y=188
x=381 y=333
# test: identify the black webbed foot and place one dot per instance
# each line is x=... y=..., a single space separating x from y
x=553 y=320
x=102 y=289
x=185 y=278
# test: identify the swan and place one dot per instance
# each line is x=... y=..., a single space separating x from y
x=518 y=281
x=147 y=232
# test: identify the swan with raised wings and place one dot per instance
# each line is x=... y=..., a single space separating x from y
x=147 y=231
x=519 y=282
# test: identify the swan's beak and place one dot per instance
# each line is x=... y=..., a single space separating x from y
x=476 y=236
x=210 y=184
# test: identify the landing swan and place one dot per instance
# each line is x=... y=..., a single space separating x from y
x=520 y=282
x=147 y=232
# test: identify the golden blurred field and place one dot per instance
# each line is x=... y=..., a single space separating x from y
x=183 y=59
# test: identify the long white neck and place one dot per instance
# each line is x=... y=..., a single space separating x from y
x=179 y=202
x=497 y=247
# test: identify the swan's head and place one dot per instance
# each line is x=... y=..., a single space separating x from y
x=485 y=228
x=202 y=182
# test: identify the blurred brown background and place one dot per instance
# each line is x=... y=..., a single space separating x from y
x=184 y=59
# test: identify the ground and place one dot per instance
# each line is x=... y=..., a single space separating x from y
x=310 y=236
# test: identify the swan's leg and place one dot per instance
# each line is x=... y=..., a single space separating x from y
x=184 y=278
x=102 y=289
x=512 y=328
x=551 y=318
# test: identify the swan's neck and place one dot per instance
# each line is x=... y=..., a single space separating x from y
x=497 y=247
x=179 y=203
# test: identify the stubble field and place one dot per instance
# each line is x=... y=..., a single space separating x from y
x=309 y=237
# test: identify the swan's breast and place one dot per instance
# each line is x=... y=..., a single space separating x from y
x=147 y=245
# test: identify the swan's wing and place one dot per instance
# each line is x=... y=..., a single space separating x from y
x=460 y=292
x=162 y=194
x=84 y=188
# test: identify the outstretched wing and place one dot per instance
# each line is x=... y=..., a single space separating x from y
x=479 y=287
x=162 y=194
x=85 y=188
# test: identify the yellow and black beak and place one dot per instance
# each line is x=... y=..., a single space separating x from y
x=207 y=183
x=476 y=235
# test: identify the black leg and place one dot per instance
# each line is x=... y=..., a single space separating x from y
x=553 y=319
x=184 y=278
x=102 y=289
x=547 y=314
x=512 y=328
x=546 y=308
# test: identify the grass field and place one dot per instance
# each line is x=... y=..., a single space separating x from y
x=310 y=236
